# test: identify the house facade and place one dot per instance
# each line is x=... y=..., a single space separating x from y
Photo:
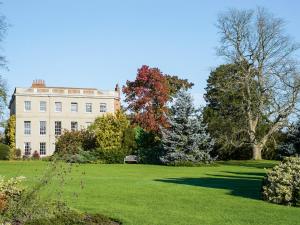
x=42 y=113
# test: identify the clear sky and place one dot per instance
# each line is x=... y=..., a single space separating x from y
x=95 y=43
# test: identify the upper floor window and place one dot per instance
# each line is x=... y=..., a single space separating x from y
x=27 y=105
x=57 y=128
x=74 y=126
x=27 y=148
x=58 y=106
x=42 y=127
x=103 y=107
x=43 y=106
x=74 y=107
x=42 y=148
x=27 y=127
x=88 y=107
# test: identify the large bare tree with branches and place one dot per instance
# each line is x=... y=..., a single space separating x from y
x=256 y=41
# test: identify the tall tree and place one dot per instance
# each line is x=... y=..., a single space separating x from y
x=147 y=97
x=224 y=112
x=186 y=139
x=257 y=43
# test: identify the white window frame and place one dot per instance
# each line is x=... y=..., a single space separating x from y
x=43 y=106
x=27 y=127
x=74 y=104
x=88 y=106
x=43 y=127
x=27 y=148
x=43 y=148
x=58 y=106
x=103 y=107
x=87 y=124
x=27 y=106
x=74 y=126
x=57 y=130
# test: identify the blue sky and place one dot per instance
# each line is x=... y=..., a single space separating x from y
x=94 y=43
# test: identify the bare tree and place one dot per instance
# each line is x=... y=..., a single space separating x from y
x=256 y=41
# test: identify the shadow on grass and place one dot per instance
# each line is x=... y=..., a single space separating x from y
x=243 y=186
x=250 y=163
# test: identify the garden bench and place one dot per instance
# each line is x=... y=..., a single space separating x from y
x=131 y=159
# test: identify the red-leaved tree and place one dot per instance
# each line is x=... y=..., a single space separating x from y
x=147 y=96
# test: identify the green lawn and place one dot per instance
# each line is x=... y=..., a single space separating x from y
x=146 y=194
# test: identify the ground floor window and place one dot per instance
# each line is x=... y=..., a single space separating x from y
x=74 y=126
x=43 y=148
x=27 y=148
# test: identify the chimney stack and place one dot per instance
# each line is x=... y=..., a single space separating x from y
x=38 y=84
x=117 y=89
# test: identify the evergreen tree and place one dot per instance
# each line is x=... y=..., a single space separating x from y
x=291 y=146
x=186 y=139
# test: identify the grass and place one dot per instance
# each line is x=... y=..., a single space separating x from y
x=147 y=194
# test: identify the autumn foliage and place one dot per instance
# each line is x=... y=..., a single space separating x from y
x=147 y=96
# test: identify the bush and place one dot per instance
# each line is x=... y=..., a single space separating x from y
x=17 y=153
x=4 y=152
x=110 y=156
x=35 y=155
x=70 y=142
x=10 y=190
x=80 y=157
x=282 y=183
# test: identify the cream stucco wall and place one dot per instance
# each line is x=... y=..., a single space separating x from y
x=50 y=96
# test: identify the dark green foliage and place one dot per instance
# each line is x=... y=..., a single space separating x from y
x=4 y=152
x=291 y=144
x=129 y=142
x=176 y=84
x=80 y=157
x=149 y=147
x=115 y=155
x=225 y=115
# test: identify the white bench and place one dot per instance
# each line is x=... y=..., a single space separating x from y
x=131 y=159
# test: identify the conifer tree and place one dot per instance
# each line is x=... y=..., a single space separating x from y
x=186 y=139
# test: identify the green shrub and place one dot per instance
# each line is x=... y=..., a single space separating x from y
x=282 y=183
x=10 y=190
x=17 y=153
x=4 y=152
x=80 y=157
x=115 y=155
x=70 y=142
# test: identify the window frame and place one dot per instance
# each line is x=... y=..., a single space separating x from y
x=72 y=104
x=45 y=110
x=105 y=107
x=58 y=108
x=74 y=128
x=27 y=129
x=27 y=148
x=25 y=106
x=43 y=151
x=86 y=107
x=57 y=130
x=43 y=131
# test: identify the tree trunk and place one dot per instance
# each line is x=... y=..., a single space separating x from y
x=256 y=152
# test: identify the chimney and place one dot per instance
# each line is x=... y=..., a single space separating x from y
x=38 y=84
x=117 y=89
